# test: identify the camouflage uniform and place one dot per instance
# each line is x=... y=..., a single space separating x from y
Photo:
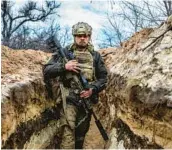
x=75 y=121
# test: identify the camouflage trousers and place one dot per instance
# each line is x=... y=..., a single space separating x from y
x=72 y=136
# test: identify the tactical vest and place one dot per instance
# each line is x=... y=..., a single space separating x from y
x=85 y=60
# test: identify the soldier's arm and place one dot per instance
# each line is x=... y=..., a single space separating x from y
x=100 y=73
x=55 y=67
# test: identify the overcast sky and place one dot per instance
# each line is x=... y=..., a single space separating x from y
x=84 y=11
x=90 y=11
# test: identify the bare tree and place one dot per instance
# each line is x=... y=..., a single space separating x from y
x=38 y=41
x=168 y=7
x=30 y=12
x=134 y=16
x=65 y=36
x=33 y=38
x=142 y=15
x=21 y=38
x=110 y=39
x=36 y=38
x=116 y=29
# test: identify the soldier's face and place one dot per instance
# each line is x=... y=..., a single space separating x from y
x=82 y=40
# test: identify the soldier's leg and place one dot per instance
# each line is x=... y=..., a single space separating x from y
x=68 y=139
x=82 y=129
x=68 y=127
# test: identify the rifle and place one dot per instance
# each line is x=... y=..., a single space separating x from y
x=82 y=86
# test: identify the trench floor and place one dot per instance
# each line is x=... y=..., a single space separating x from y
x=93 y=138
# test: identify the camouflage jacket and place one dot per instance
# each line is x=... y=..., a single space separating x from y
x=56 y=68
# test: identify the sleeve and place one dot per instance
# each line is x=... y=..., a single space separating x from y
x=100 y=73
x=54 y=68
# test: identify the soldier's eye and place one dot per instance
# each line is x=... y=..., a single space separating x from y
x=82 y=35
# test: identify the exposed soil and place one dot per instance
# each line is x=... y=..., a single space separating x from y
x=132 y=44
x=93 y=140
x=18 y=64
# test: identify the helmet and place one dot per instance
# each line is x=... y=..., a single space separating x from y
x=81 y=28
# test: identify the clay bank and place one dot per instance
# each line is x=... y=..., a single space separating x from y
x=135 y=108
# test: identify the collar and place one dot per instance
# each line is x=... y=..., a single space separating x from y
x=73 y=47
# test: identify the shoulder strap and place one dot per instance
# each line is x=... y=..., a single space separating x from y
x=72 y=47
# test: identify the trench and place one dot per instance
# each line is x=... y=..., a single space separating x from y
x=93 y=138
x=31 y=121
x=135 y=109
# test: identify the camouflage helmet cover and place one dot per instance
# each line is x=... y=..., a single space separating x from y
x=81 y=28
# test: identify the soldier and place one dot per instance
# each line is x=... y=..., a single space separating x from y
x=75 y=120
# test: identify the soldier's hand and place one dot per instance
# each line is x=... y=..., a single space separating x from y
x=72 y=65
x=86 y=93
